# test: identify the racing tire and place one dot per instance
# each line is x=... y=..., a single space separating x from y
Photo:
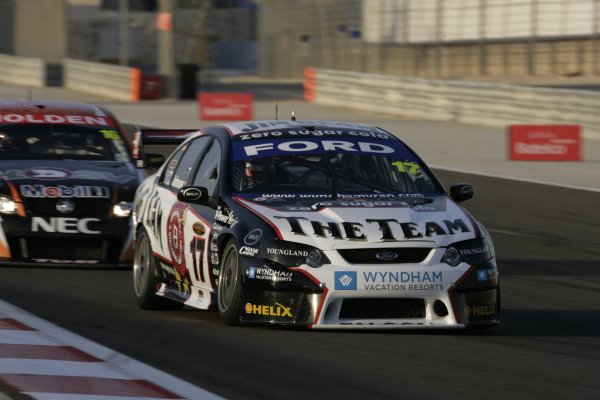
x=145 y=278
x=229 y=292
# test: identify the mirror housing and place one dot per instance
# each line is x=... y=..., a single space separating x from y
x=461 y=192
x=194 y=195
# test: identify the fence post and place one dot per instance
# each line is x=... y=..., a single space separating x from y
x=482 y=44
x=531 y=57
x=595 y=39
x=439 y=21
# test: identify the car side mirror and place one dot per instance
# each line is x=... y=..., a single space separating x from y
x=461 y=192
x=193 y=194
x=154 y=160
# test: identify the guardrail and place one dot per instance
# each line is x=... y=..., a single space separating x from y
x=458 y=101
x=23 y=70
x=108 y=80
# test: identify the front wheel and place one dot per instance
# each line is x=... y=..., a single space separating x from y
x=229 y=294
x=145 y=278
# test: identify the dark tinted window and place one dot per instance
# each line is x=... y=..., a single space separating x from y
x=348 y=165
x=193 y=152
x=209 y=170
x=59 y=142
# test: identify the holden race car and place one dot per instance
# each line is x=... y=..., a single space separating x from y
x=67 y=186
x=314 y=224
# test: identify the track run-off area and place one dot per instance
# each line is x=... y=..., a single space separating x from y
x=547 y=241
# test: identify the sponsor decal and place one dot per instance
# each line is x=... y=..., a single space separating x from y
x=167 y=268
x=270 y=274
x=46 y=173
x=54 y=119
x=50 y=173
x=473 y=251
x=290 y=133
x=483 y=310
x=198 y=228
x=278 y=310
x=262 y=125
x=345 y=280
x=287 y=252
x=248 y=251
x=389 y=229
x=64 y=225
x=262 y=148
x=175 y=236
x=403 y=280
x=484 y=275
x=65 y=206
x=52 y=192
x=253 y=237
x=56 y=261
x=273 y=197
x=545 y=142
x=225 y=216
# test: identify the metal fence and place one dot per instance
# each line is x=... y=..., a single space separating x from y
x=431 y=38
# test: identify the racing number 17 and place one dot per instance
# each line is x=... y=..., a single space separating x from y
x=197 y=251
x=406 y=166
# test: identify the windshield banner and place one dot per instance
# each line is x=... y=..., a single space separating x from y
x=269 y=148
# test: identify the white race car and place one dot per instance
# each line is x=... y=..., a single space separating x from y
x=315 y=224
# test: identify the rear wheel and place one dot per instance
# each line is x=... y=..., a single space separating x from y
x=229 y=295
x=145 y=278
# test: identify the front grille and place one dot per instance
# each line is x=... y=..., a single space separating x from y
x=382 y=309
x=83 y=207
x=404 y=255
x=24 y=249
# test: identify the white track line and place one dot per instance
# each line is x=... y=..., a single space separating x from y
x=512 y=178
x=65 y=396
x=135 y=369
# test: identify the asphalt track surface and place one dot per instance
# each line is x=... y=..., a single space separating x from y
x=547 y=346
x=547 y=241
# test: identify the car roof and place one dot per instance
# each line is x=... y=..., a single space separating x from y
x=51 y=107
x=54 y=112
x=246 y=127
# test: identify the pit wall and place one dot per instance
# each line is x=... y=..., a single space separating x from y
x=486 y=104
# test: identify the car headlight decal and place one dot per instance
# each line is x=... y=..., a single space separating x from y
x=292 y=254
x=472 y=252
x=122 y=209
x=315 y=258
x=452 y=257
x=7 y=206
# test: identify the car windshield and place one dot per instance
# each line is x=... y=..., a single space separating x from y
x=59 y=142
x=348 y=167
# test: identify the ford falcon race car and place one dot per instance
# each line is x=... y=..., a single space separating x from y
x=314 y=224
x=67 y=186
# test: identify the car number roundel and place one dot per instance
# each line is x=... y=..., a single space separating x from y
x=175 y=237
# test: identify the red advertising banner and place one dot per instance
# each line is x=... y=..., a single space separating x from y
x=226 y=106
x=545 y=142
x=164 y=21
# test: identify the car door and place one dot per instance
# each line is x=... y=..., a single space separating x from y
x=176 y=216
x=202 y=217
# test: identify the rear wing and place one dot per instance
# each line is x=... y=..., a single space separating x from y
x=167 y=139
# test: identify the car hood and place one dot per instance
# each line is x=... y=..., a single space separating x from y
x=434 y=221
x=69 y=178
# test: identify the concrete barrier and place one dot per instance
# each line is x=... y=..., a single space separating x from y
x=108 y=80
x=458 y=101
x=27 y=71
